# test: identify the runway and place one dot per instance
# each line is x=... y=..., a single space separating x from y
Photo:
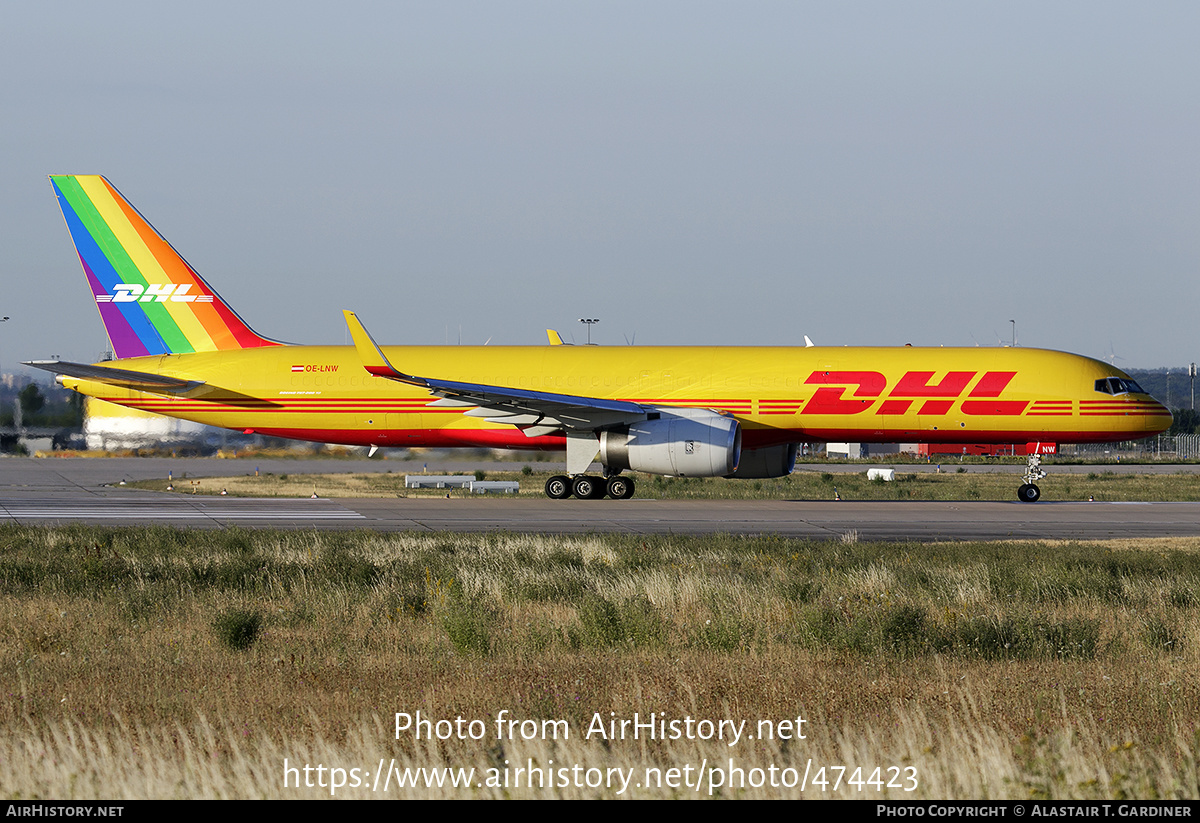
x=56 y=491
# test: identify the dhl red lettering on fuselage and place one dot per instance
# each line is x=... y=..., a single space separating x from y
x=992 y=385
x=916 y=384
x=938 y=398
x=828 y=399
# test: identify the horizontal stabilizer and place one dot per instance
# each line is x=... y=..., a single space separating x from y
x=141 y=381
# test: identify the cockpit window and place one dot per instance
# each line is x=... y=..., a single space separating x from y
x=1118 y=385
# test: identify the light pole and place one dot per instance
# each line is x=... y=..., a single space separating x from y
x=3 y=319
x=1014 y=322
x=16 y=400
x=589 y=321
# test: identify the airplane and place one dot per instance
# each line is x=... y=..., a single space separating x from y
x=686 y=411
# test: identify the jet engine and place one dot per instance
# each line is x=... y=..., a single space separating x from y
x=679 y=442
x=769 y=461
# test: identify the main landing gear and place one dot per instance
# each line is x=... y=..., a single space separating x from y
x=585 y=487
x=1028 y=492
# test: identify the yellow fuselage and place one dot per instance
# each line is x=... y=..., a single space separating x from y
x=779 y=395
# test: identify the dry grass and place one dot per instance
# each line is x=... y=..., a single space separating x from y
x=995 y=670
x=960 y=756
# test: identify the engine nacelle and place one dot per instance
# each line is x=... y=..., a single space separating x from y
x=769 y=461
x=679 y=442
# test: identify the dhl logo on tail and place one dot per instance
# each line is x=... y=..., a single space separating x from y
x=151 y=300
x=133 y=293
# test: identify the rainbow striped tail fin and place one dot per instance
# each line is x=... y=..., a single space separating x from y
x=150 y=299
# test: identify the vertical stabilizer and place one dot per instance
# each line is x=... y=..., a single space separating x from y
x=150 y=299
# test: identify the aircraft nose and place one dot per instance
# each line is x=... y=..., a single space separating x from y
x=1158 y=418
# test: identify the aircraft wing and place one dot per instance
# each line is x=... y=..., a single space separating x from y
x=535 y=413
x=140 y=381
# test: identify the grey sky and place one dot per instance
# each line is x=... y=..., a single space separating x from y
x=864 y=173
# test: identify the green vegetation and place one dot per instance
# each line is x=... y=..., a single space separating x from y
x=1006 y=670
x=1185 y=421
x=991 y=601
x=238 y=628
x=42 y=406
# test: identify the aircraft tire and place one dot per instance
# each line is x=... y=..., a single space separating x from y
x=588 y=488
x=620 y=488
x=1029 y=493
x=558 y=487
x=583 y=487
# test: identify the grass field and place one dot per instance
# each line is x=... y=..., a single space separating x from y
x=177 y=663
x=973 y=483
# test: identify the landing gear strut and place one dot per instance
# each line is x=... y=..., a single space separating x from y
x=1029 y=492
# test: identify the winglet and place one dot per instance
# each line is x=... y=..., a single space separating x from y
x=372 y=357
x=555 y=338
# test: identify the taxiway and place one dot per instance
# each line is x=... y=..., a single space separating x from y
x=82 y=490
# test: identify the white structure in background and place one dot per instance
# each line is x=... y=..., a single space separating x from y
x=858 y=451
x=109 y=427
x=847 y=450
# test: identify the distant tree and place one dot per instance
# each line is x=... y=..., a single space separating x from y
x=1186 y=421
x=31 y=400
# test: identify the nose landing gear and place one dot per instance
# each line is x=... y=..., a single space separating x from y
x=1029 y=492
